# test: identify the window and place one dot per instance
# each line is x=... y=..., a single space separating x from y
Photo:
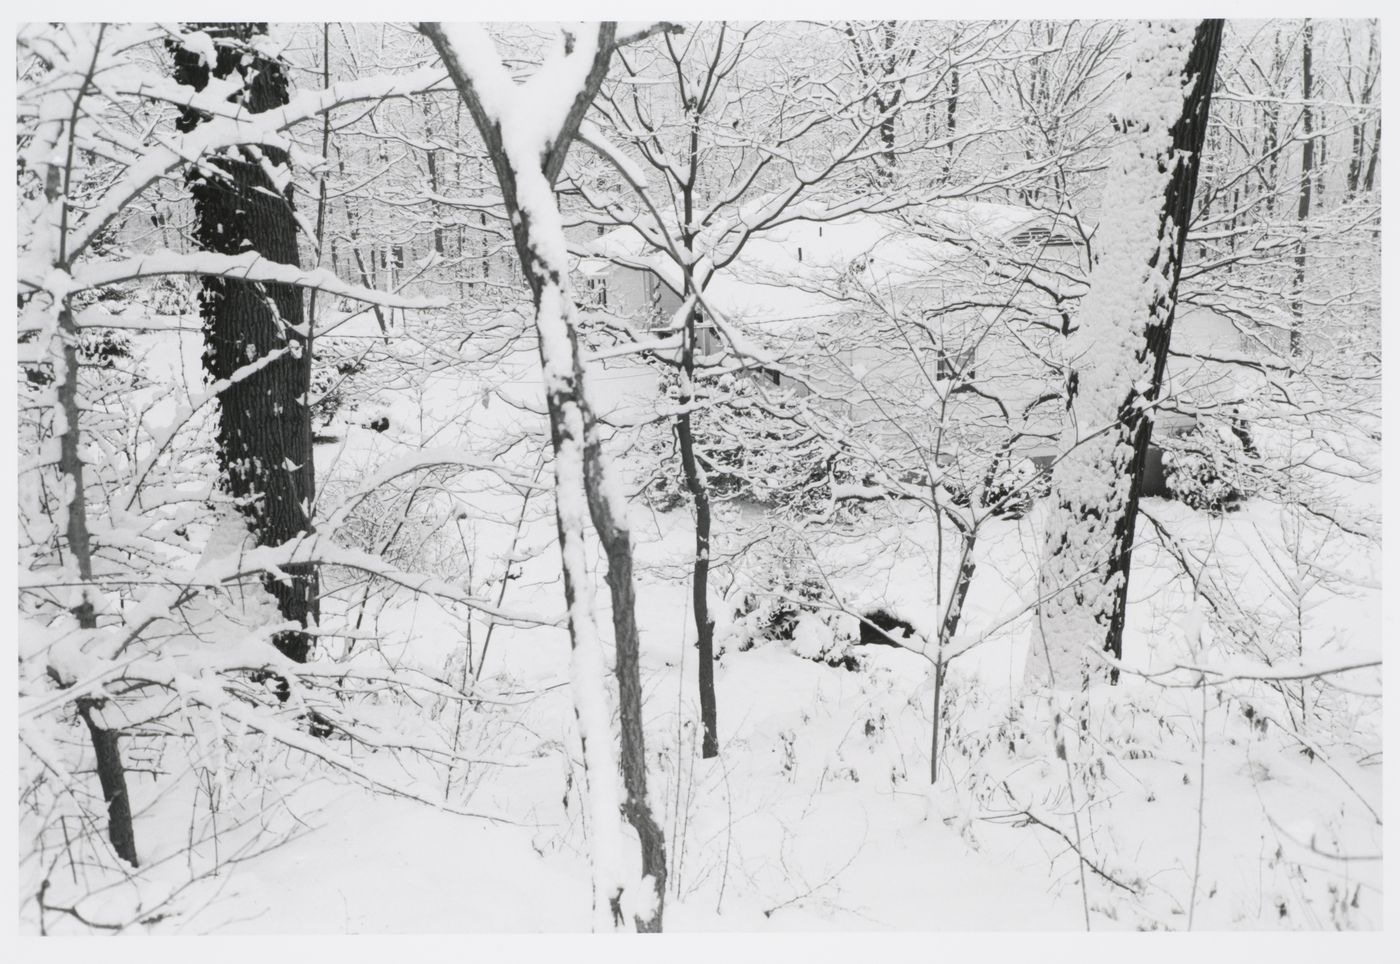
x=1035 y=234
x=772 y=374
x=953 y=363
x=596 y=293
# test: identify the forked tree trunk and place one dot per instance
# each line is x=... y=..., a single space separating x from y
x=700 y=573
x=1098 y=483
x=264 y=434
x=580 y=468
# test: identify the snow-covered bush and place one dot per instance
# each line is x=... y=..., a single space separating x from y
x=335 y=365
x=97 y=348
x=172 y=295
x=786 y=601
x=747 y=447
x=1011 y=491
x=1207 y=468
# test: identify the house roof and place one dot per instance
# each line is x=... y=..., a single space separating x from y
x=803 y=270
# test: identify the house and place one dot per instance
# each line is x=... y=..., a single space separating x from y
x=942 y=344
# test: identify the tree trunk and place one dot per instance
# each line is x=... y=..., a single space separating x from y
x=967 y=568
x=694 y=476
x=579 y=462
x=264 y=434
x=1271 y=134
x=700 y=576
x=1098 y=483
x=111 y=774
x=1370 y=182
x=1358 y=125
x=1305 y=188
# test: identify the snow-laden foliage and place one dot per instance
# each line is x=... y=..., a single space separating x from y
x=770 y=327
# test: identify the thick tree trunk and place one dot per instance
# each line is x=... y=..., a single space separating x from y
x=1188 y=139
x=264 y=435
x=1098 y=484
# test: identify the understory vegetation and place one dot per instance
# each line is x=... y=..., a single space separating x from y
x=708 y=476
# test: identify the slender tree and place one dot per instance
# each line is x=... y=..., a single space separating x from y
x=528 y=159
x=1305 y=194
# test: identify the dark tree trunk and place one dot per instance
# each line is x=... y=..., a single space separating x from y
x=433 y=210
x=888 y=102
x=1305 y=189
x=1358 y=125
x=111 y=773
x=878 y=63
x=264 y=435
x=112 y=776
x=700 y=575
x=1188 y=139
x=952 y=108
x=1370 y=182
x=694 y=477
x=1271 y=135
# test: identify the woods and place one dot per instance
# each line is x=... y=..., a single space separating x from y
x=699 y=475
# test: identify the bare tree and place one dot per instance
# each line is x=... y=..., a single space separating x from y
x=528 y=158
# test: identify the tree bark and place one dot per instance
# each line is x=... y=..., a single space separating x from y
x=1370 y=182
x=264 y=434
x=1358 y=125
x=1093 y=530
x=694 y=476
x=106 y=743
x=700 y=575
x=579 y=459
x=1305 y=190
x=1188 y=139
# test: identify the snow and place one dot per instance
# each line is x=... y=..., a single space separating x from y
x=1125 y=296
x=1199 y=793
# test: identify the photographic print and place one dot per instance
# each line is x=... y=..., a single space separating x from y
x=699 y=475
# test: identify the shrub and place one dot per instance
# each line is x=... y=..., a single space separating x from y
x=333 y=369
x=1206 y=469
x=1011 y=493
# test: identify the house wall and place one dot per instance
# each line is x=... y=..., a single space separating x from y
x=638 y=296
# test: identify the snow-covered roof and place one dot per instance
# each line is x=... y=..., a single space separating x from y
x=798 y=271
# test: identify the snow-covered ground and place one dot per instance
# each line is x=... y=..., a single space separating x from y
x=817 y=814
